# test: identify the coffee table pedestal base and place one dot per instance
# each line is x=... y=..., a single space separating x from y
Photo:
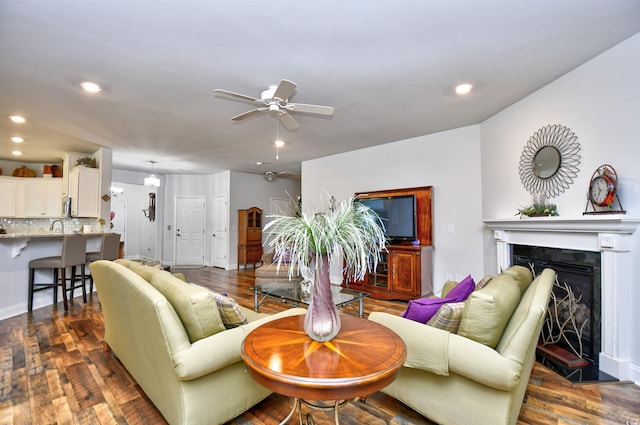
x=308 y=419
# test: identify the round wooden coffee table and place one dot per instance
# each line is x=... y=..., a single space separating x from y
x=363 y=358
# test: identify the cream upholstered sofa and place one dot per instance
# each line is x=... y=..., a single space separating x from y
x=172 y=339
x=272 y=272
x=478 y=375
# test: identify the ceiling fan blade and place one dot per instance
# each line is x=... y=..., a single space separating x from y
x=249 y=114
x=310 y=109
x=237 y=95
x=285 y=89
x=287 y=120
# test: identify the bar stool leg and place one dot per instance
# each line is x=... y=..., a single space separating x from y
x=84 y=290
x=56 y=276
x=64 y=288
x=32 y=274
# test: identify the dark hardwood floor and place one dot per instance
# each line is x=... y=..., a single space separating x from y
x=54 y=371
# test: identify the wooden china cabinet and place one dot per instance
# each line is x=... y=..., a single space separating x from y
x=249 y=236
x=406 y=270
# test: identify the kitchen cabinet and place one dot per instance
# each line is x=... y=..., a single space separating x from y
x=84 y=191
x=8 y=190
x=42 y=197
x=30 y=197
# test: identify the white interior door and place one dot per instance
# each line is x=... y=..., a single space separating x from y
x=190 y=223
x=220 y=250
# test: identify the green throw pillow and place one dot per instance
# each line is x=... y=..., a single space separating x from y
x=195 y=305
x=488 y=310
x=448 y=317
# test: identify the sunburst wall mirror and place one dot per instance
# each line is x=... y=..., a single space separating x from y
x=549 y=161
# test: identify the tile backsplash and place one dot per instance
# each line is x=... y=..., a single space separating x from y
x=42 y=225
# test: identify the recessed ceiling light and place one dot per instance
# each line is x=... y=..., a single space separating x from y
x=91 y=87
x=463 y=88
x=279 y=143
x=17 y=139
x=16 y=153
x=258 y=162
x=17 y=119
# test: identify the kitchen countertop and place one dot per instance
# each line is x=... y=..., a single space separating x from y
x=44 y=235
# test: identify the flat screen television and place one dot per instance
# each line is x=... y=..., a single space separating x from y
x=398 y=214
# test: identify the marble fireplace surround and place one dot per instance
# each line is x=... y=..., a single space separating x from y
x=610 y=235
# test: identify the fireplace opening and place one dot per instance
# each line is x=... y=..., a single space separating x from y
x=571 y=337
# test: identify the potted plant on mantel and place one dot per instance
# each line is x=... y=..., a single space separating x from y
x=349 y=231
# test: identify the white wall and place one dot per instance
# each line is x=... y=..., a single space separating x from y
x=448 y=161
x=600 y=102
x=143 y=238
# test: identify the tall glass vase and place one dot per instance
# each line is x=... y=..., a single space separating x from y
x=322 y=321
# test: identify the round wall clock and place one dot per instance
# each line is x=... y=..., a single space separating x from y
x=603 y=186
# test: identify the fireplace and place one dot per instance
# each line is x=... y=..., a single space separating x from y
x=570 y=342
x=609 y=236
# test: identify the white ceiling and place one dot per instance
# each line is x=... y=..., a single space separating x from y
x=387 y=67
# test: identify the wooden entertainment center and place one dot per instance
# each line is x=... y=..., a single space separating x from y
x=406 y=269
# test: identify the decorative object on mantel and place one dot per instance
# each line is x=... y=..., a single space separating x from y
x=602 y=194
x=538 y=210
x=348 y=229
x=549 y=160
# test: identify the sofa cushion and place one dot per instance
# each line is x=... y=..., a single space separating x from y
x=231 y=314
x=423 y=309
x=521 y=275
x=141 y=270
x=273 y=271
x=462 y=290
x=448 y=317
x=488 y=310
x=195 y=305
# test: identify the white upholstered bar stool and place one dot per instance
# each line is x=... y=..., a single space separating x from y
x=109 y=250
x=74 y=252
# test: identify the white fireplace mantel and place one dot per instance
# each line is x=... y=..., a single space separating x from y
x=611 y=235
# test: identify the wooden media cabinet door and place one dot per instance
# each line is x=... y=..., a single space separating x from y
x=404 y=267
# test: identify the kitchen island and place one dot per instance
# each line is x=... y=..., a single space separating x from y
x=16 y=251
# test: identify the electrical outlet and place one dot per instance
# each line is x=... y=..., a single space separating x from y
x=458 y=277
x=451 y=228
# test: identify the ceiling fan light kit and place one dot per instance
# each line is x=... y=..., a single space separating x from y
x=275 y=100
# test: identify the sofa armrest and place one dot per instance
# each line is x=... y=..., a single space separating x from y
x=427 y=346
x=482 y=364
x=441 y=353
x=209 y=354
x=220 y=350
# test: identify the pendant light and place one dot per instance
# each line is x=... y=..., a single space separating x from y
x=152 y=181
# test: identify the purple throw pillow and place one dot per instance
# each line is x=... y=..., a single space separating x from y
x=423 y=309
x=462 y=290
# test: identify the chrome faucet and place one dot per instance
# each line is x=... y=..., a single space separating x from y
x=61 y=225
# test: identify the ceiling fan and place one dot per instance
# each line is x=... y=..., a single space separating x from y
x=275 y=100
x=272 y=175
